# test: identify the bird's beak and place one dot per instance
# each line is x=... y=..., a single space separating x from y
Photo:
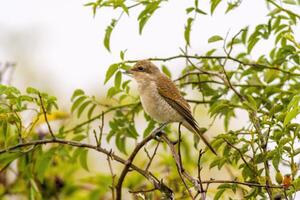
x=128 y=72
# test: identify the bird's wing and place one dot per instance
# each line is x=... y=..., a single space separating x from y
x=173 y=97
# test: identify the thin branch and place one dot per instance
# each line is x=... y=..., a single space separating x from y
x=148 y=175
x=100 y=115
x=242 y=156
x=202 y=191
x=142 y=191
x=45 y=116
x=179 y=165
x=180 y=168
x=252 y=64
x=129 y=161
x=212 y=181
x=283 y=9
x=113 y=176
x=152 y=157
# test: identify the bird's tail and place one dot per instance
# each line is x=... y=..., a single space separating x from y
x=196 y=130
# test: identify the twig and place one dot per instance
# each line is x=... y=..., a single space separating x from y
x=148 y=175
x=256 y=65
x=212 y=181
x=179 y=165
x=202 y=191
x=131 y=158
x=142 y=191
x=112 y=177
x=152 y=157
x=180 y=168
x=45 y=116
x=242 y=156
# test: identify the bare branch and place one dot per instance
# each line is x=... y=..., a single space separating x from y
x=131 y=158
x=45 y=116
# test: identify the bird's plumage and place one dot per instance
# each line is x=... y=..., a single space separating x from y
x=162 y=100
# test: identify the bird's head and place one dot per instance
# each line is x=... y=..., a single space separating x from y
x=144 y=70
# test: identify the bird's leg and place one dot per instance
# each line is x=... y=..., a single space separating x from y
x=157 y=132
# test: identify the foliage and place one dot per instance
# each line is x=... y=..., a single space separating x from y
x=263 y=86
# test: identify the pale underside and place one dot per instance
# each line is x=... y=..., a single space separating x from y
x=155 y=105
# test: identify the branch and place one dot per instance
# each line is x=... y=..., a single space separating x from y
x=256 y=65
x=100 y=115
x=45 y=115
x=212 y=181
x=131 y=158
x=159 y=185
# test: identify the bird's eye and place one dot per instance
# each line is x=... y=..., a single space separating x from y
x=140 y=68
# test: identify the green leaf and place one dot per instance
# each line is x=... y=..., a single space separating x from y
x=82 y=108
x=215 y=38
x=8 y=157
x=187 y=30
x=166 y=71
x=111 y=71
x=42 y=163
x=77 y=92
x=251 y=44
x=201 y=11
x=91 y=110
x=77 y=102
x=31 y=90
x=291 y=2
x=213 y=5
x=290 y=115
x=188 y=10
x=108 y=32
x=219 y=194
x=118 y=80
x=83 y=159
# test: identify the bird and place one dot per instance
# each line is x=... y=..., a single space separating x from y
x=162 y=100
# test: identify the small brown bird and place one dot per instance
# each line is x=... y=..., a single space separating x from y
x=162 y=100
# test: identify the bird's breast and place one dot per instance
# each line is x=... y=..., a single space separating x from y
x=155 y=105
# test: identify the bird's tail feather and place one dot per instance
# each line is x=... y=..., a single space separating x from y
x=195 y=129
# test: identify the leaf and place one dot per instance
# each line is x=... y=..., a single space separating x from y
x=118 y=80
x=187 y=30
x=166 y=71
x=145 y=15
x=77 y=102
x=215 y=38
x=31 y=90
x=83 y=159
x=77 y=92
x=219 y=194
x=290 y=115
x=91 y=110
x=201 y=11
x=213 y=5
x=82 y=107
x=8 y=157
x=270 y=75
x=188 y=10
x=108 y=32
x=291 y=2
x=111 y=71
x=150 y=127
x=251 y=44
x=42 y=163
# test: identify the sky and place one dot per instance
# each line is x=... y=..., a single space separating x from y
x=57 y=45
